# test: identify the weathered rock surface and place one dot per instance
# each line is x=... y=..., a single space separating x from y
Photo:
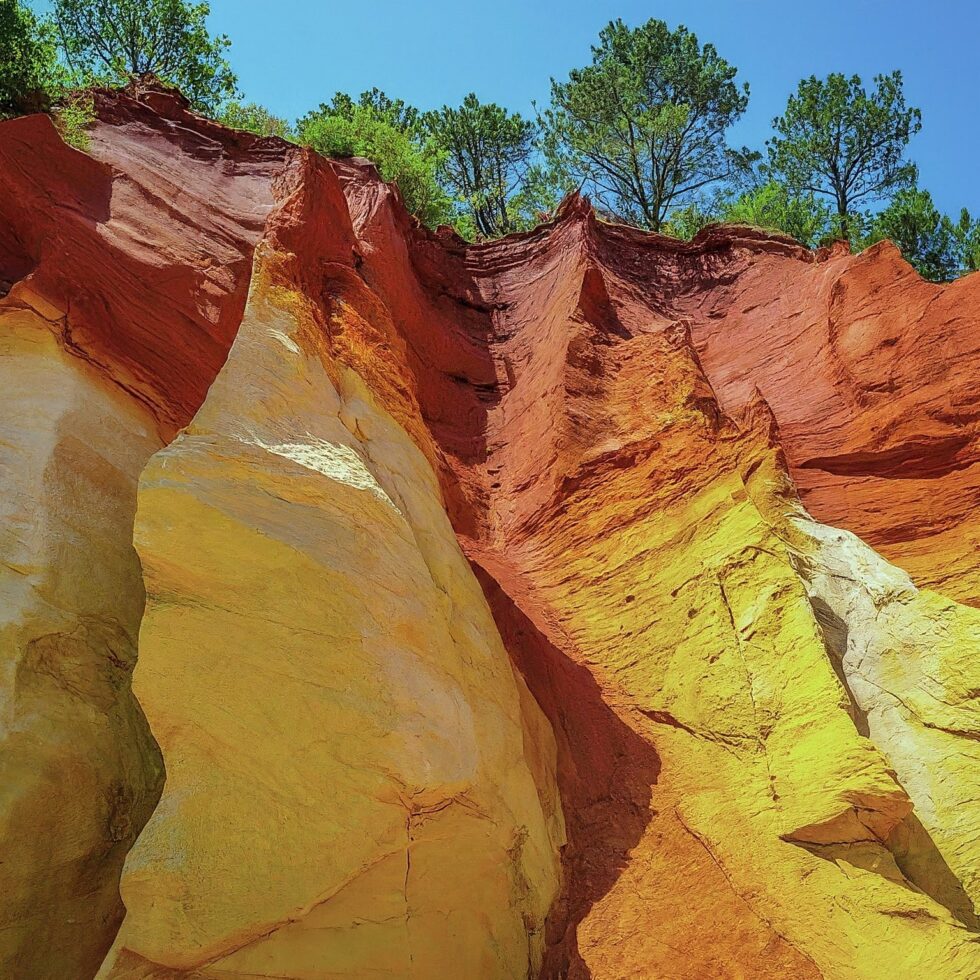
x=871 y=372
x=397 y=815
x=718 y=501
x=122 y=279
x=79 y=773
x=645 y=566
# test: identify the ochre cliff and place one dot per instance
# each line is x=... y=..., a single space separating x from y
x=583 y=604
x=398 y=815
x=122 y=280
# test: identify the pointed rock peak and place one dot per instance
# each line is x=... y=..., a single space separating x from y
x=596 y=306
x=758 y=416
x=575 y=205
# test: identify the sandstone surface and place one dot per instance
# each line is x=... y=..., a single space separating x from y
x=398 y=814
x=122 y=279
x=583 y=604
x=651 y=540
x=871 y=372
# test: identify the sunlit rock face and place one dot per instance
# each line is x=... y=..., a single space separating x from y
x=584 y=604
x=657 y=543
x=358 y=783
x=116 y=296
x=871 y=372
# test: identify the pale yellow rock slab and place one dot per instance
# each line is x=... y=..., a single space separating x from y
x=78 y=771
x=357 y=784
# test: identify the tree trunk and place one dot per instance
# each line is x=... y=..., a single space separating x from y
x=842 y=217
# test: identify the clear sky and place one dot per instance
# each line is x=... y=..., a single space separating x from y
x=291 y=55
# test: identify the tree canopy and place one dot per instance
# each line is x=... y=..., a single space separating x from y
x=394 y=112
x=484 y=155
x=120 y=41
x=939 y=248
x=967 y=232
x=840 y=141
x=643 y=127
x=28 y=66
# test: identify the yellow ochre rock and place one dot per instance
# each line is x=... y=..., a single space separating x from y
x=584 y=605
x=79 y=773
x=349 y=791
x=803 y=720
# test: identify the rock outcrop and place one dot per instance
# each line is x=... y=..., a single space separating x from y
x=122 y=281
x=586 y=603
x=398 y=815
x=871 y=373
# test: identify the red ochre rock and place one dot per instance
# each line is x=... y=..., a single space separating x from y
x=586 y=603
x=141 y=248
x=871 y=373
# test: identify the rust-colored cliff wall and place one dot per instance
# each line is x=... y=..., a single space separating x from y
x=582 y=604
x=656 y=577
x=870 y=371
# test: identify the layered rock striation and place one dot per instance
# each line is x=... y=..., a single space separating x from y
x=398 y=814
x=586 y=603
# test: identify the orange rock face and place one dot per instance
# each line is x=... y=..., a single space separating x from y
x=583 y=604
x=587 y=456
x=144 y=245
x=871 y=374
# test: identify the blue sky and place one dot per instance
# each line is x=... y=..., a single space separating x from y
x=292 y=54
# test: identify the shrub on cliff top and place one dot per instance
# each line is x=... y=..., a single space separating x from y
x=72 y=116
x=685 y=222
x=384 y=131
x=254 y=118
x=773 y=206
